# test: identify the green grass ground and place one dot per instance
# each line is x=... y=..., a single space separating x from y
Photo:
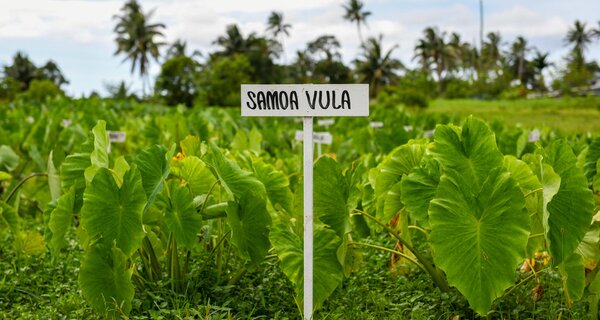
x=569 y=115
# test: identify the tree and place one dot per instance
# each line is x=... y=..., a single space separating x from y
x=119 y=91
x=375 y=66
x=277 y=27
x=137 y=38
x=328 y=67
x=355 y=13
x=579 y=36
x=178 y=49
x=518 y=51
x=176 y=83
x=221 y=78
x=540 y=62
x=51 y=72
x=22 y=70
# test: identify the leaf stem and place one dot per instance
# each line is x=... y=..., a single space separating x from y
x=420 y=229
x=14 y=190
x=392 y=251
x=435 y=274
x=533 y=191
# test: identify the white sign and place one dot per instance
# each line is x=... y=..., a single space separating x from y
x=318 y=137
x=376 y=124
x=407 y=128
x=305 y=100
x=116 y=136
x=534 y=136
x=325 y=122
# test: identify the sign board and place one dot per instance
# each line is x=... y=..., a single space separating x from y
x=116 y=136
x=376 y=124
x=325 y=122
x=318 y=137
x=305 y=100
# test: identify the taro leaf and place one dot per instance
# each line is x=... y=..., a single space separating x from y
x=181 y=216
x=99 y=156
x=249 y=222
x=119 y=169
x=472 y=152
x=61 y=219
x=53 y=178
x=154 y=169
x=105 y=281
x=419 y=189
x=593 y=291
x=9 y=217
x=478 y=222
x=5 y=176
x=393 y=203
x=113 y=213
x=9 y=160
x=276 y=184
x=72 y=175
x=254 y=140
x=327 y=271
x=573 y=278
x=331 y=195
x=191 y=146
x=570 y=211
x=236 y=181
x=535 y=201
x=479 y=235
x=591 y=158
x=589 y=247
x=29 y=242
x=240 y=141
x=195 y=173
x=400 y=162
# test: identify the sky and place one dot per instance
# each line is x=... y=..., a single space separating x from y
x=78 y=34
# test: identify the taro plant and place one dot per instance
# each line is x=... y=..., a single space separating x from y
x=483 y=213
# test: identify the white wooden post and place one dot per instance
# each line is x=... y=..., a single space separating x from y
x=308 y=216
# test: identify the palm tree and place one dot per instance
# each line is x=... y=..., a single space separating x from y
x=518 y=51
x=179 y=49
x=355 y=13
x=233 y=42
x=540 y=62
x=137 y=38
x=277 y=27
x=376 y=67
x=579 y=37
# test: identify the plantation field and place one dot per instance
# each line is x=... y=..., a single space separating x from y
x=198 y=213
x=569 y=115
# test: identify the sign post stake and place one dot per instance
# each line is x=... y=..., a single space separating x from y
x=308 y=216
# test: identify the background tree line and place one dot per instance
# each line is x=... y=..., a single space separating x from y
x=446 y=67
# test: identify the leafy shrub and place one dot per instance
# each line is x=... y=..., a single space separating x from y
x=39 y=90
x=220 y=81
x=177 y=81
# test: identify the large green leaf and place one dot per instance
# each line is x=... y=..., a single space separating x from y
x=398 y=163
x=195 y=173
x=327 y=272
x=105 y=281
x=154 y=169
x=72 y=175
x=591 y=159
x=472 y=152
x=113 y=213
x=331 y=196
x=236 y=181
x=570 y=211
x=249 y=222
x=479 y=226
x=99 y=155
x=61 y=219
x=276 y=184
x=479 y=235
x=181 y=216
x=53 y=178
x=9 y=160
x=573 y=278
x=419 y=189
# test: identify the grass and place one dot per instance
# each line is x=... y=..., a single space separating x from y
x=43 y=287
x=568 y=115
